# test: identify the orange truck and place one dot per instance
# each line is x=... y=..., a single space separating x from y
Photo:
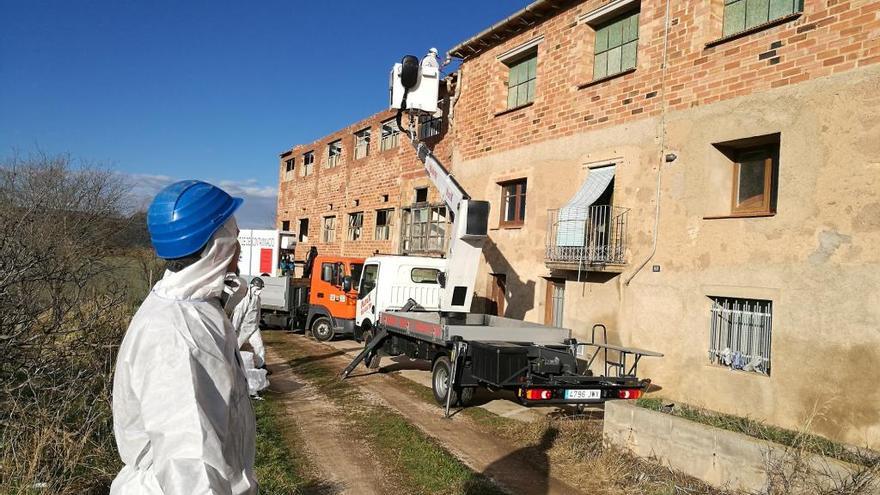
x=323 y=301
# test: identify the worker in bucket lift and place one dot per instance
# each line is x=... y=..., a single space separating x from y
x=246 y=322
x=181 y=414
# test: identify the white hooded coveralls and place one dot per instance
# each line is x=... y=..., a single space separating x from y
x=182 y=417
x=246 y=321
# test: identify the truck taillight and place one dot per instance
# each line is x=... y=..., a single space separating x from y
x=629 y=393
x=539 y=394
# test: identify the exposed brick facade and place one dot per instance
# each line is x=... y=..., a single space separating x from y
x=384 y=179
x=828 y=37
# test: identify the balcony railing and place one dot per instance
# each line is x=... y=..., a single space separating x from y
x=594 y=235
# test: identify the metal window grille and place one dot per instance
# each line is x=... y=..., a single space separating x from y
x=308 y=163
x=424 y=229
x=740 y=15
x=616 y=44
x=328 y=233
x=740 y=333
x=383 y=225
x=355 y=223
x=390 y=135
x=334 y=153
x=521 y=80
x=362 y=144
x=429 y=126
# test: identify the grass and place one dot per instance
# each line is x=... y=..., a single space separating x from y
x=414 y=462
x=753 y=428
x=279 y=469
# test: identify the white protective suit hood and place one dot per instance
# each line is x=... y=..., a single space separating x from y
x=182 y=418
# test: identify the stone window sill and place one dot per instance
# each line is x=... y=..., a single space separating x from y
x=606 y=78
x=757 y=214
x=514 y=109
x=754 y=29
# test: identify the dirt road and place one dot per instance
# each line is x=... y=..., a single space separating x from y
x=345 y=464
x=520 y=471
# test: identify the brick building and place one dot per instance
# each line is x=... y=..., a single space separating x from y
x=362 y=190
x=701 y=177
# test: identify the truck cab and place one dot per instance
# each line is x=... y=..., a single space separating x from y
x=332 y=298
x=388 y=282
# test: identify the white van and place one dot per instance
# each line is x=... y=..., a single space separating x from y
x=388 y=282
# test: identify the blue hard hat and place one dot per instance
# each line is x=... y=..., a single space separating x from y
x=184 y=215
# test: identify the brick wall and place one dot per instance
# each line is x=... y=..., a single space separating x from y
x=828 y=37
x=380 y=180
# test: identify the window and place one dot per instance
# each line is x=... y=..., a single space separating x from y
x=513 y=199
x=521 y=80
x=330 y=273
x=288 y=165
x=368 y=280
x=285 y=225
x=308 y=163
x=303 y=230
x=741 y=15
x=755 y=167
x=423 y=229
x=334 y=153
x=355 y=222
x=390 y=135
x=615 y=45
x=429 y=126
x=356 y=269
x=383 y=224
x=421 y=195
x=362 y=144
x=328 y=232
x=424 y=275
x=740 y=332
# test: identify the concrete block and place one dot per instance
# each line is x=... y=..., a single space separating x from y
x=722 y=458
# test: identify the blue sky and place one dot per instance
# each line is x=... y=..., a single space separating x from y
x=164 y=90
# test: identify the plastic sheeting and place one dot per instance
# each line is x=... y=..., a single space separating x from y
x=256 y=378
x=571 y=229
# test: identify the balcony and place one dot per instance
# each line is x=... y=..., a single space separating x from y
x=590 y=238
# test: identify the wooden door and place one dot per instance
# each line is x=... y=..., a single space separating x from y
x=554 y=302
x=497 y=293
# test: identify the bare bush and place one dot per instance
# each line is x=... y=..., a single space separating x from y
x=63 y=311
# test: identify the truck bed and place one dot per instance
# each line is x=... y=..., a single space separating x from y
x=439 y=328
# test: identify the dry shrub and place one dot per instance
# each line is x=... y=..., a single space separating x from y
x=63 y=311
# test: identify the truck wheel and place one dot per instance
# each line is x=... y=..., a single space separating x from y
x=440 y=379
x=372 y=360
x=322 y=329
x=466 y=396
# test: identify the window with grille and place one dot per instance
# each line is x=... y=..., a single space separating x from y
x=429 y=126
x=362 y=144
x=740 y=333
x=383 y=224
x=521 y=80
x=741 y=15
x=334 y=153
x=616 y=45
x=513 y=201
x=355 y=223
x=328 y=230
x=390 y=135
x=308 y=163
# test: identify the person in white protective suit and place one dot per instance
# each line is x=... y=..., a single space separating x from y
x=246 y=321
x=182 y=417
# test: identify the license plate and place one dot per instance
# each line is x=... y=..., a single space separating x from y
x=583 y=394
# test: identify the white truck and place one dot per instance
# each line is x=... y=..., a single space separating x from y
x=262 y=251
x=420 y=307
